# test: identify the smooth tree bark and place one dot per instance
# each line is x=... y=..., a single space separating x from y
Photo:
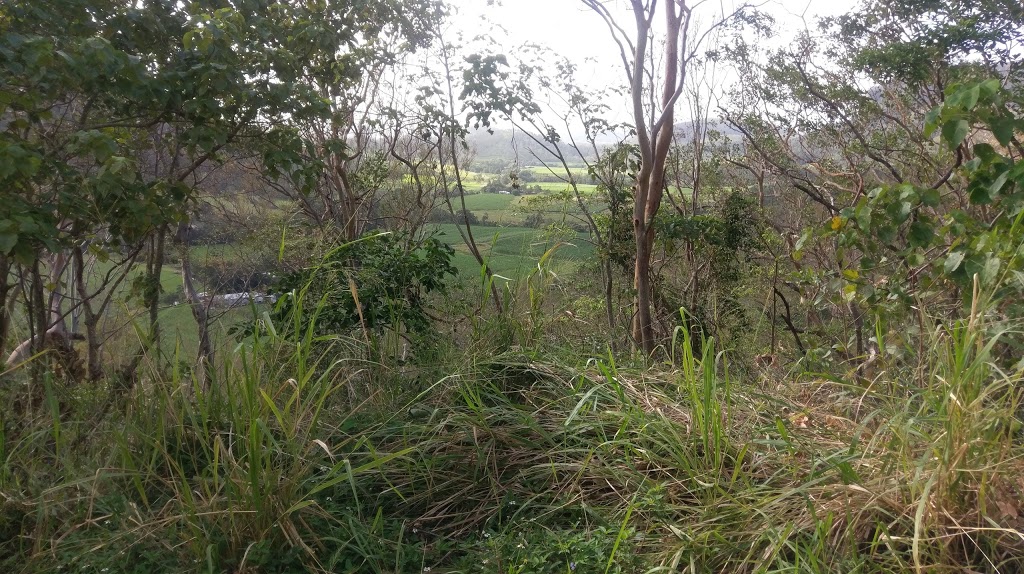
x=653 y=98
x=654 y=128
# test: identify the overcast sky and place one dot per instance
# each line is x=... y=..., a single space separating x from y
x=570 y=28
x=574 y=31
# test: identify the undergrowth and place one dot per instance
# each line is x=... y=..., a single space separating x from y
x=305 y=454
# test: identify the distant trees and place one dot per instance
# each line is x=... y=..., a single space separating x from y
x=113 y=113
x=115 y=119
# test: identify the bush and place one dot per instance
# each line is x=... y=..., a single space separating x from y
x=374 y=282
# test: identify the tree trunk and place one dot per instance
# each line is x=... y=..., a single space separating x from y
x=204 y=357
x=643 y=322
x=55 y=302
x=155 y=270
x=467 y=237
x=5 y=289
x=37 y=321
x=94 y=366
x=655 y=140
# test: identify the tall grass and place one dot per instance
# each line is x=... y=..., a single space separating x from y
x=517 y=459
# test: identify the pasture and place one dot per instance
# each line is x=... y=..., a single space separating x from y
x=513 y=252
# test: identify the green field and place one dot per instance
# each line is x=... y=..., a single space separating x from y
x=579 y=171
x=491 y=202
x=558 y=186
x=511 y=249
x=501 y=209
x=513 y=252
x=474 y=181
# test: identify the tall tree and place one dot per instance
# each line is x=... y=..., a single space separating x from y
x=654 y=117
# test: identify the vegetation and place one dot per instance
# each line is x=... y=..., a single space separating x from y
x=271 y=301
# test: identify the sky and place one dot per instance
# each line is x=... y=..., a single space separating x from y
x=573 y=31
x=570 y=28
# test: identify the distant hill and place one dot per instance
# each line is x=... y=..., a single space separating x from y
x=496 y=151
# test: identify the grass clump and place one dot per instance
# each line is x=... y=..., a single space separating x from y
x=507 y=459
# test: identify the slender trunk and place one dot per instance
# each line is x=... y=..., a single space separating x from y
x=204 y=358
x=46 y=320
x=37 y=321
x=92 y=340
x=654 y=147
x=760 y=190
x=775 y=287
x=787 y=317
x=155 y=271
x=643 y=322
x=55 y=302
x=468 y=235
x=5 y=290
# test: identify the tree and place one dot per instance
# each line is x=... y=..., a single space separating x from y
x=113 y=113
x=654 y=122
x=837 y=118
x=496 y=86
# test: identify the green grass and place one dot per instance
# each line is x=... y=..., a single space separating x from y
x=512 y=252
x=494 y=209
x=497 y=443
x=491 y=202
x=580 y=172
x=311 y=453
x=557 y=186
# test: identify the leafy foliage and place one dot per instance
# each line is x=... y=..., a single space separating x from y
x=921 y=238
x=504 y=443
x=378 y=281
x=111 y=108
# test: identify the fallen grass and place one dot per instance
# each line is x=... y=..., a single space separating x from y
x=521 y=462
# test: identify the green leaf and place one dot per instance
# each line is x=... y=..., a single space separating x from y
x=899 y=211
x=989 y=88
x=909 y=194
x=980 y=194
x=7 y=242
x=986 y=152
x=970 y=96
x=849 y=292
x=804 y=237
x=997 y=185
x=1019 y=276
x=953 y=262
x=986 y=267
x=1003 y=128
x=991 y=270
x=931 y=197
x=931 y=121
x=955 y=131
x=921 y=234
x=886 y=232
